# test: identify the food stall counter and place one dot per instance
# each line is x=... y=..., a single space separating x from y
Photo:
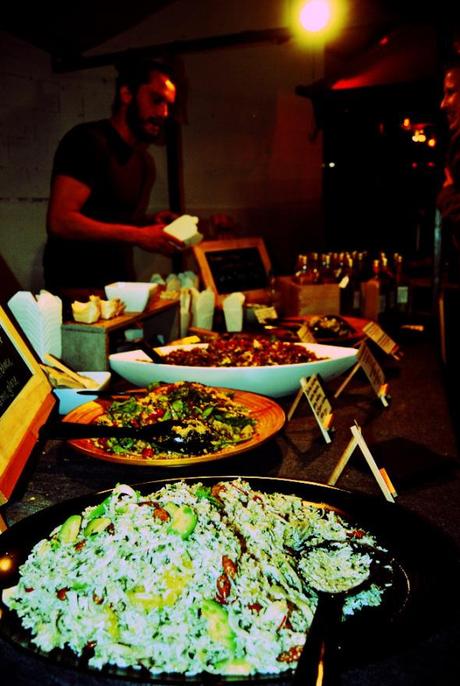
x=413 y=437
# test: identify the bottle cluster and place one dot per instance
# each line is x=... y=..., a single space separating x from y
x=370 y=286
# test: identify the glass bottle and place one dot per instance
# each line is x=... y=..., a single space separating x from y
x=326 y=273
x=362 y=266
x=339 y=266
x=314 y=265
x=372 y=298
x=388 y=286
x=350 y=289
x=402 y=286
x=303 y=274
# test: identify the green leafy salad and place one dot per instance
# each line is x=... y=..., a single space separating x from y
x=187 y=579
x=211 y=420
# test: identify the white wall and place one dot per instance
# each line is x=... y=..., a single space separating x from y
x=247 y=145
x=36 y=108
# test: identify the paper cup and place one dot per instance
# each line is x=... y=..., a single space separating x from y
x=233 y=318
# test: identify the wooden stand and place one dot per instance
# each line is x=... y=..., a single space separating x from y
x=383 y=340
x=239 y=264
x=373 y=371
x=319 y=404
x=380 y=475
x=26 y=402
x=87 y=346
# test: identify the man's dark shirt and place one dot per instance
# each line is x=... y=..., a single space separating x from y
x=120 y=179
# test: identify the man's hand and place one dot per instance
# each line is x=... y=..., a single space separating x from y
x=165 y=217
x=153 y=239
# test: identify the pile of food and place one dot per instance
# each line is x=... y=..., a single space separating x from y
x=330 y=326
x=95 y=308
x=242 y=351
x=187 y=579
x=208 y=420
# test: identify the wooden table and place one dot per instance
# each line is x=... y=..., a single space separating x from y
x=418 y=414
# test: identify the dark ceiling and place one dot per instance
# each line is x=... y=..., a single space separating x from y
x=71 y=29
x=66 y=32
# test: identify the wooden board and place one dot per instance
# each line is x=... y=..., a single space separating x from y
x=241 y=264
x=25 y=404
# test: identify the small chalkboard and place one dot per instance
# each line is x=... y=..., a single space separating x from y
x=234 y=265
x=25 y=404
x=14 y=373
x=241 y=269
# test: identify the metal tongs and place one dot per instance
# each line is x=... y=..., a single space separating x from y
x=165 y=434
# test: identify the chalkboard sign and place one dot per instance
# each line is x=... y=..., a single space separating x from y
x=234 y=265
x=14 y=373
x=241 y=269
x=26 y=402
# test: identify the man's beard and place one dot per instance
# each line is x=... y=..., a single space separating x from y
x=136 y=124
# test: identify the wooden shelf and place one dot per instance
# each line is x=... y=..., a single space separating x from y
x=86 y=347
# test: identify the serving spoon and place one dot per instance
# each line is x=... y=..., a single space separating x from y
x=318 y=664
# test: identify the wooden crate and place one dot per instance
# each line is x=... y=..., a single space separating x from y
x=86 y=347
x=309 y=299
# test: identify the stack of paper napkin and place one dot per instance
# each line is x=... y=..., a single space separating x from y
x=40 y=318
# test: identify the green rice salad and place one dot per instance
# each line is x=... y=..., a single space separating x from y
x=187 y=579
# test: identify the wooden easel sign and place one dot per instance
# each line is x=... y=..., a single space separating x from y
x=372 y=369
x=312 y=389
x=380 y=475
x=263 y=314
x=305 y=335
x=378 y=335
x=238 y=264
x=25 y=404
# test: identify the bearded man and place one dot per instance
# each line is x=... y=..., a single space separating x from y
x=101 y=182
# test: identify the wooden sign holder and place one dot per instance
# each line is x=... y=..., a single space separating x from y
x=373 y=371
x=264 y=314
x=305 y=334
x=320 y=406
x=380 y=475
x=382 y=339
x=26 y=402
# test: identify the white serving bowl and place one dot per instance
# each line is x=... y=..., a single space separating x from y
x=69 y=398
x=274 y=381
x=134 y=294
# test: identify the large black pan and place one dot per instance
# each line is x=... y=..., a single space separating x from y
x=426 y=592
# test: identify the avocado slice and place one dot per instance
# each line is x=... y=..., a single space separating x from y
x=99 y=510
x=111 y=623
x=70 y=529
x=183 y=521
x=217 y=620
x=95 y=526
x=234 y=666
